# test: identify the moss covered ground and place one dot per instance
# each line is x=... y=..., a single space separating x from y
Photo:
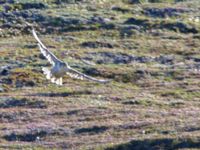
x=151 y=51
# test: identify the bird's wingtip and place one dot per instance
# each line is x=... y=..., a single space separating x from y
x=106 y=81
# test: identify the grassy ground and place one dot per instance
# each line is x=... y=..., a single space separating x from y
x=147 y=105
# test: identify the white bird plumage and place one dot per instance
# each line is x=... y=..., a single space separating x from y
x=60 y=68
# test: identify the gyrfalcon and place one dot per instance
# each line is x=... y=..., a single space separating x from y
x=60 y=68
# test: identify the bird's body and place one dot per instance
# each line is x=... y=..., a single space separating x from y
x=60 y=68
x=56 y=73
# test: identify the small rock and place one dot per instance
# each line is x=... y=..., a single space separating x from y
x=2 y=1
x=19 y=84
x=128 y=30
x=131 y=102
x=164 y=12
x=179 y=26
x=92 y=130
x=134 y=1
x=165 y=59
x=4 y=70
x=123 y=10
x=7 y=8
x=12 y=102
x=117 y=58
x=30 y=83
x=91 y=71
x=98 y=19
x=135 y=21
x=35 y=134
x=97 y=44
x=33 y=5
x=7 y=81
x=27 y=137
x=10 y=1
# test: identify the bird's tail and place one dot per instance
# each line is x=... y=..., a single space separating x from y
x=57 y=81
x=49 y=76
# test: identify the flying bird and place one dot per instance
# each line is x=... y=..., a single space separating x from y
x=60 y=68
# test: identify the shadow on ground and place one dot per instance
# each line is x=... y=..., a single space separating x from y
x=61 y=94
x=155 y=144
x=92 y=130
x=24 y=102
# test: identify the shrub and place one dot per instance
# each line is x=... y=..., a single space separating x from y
x=151 y=1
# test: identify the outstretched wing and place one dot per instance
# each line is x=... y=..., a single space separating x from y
x=78 y=75
x=49 y=55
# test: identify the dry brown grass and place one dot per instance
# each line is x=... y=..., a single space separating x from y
x=150 y=103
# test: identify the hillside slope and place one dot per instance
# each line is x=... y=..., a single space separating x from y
x=151 y=51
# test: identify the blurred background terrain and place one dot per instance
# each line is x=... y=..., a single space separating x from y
x=149 y=48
